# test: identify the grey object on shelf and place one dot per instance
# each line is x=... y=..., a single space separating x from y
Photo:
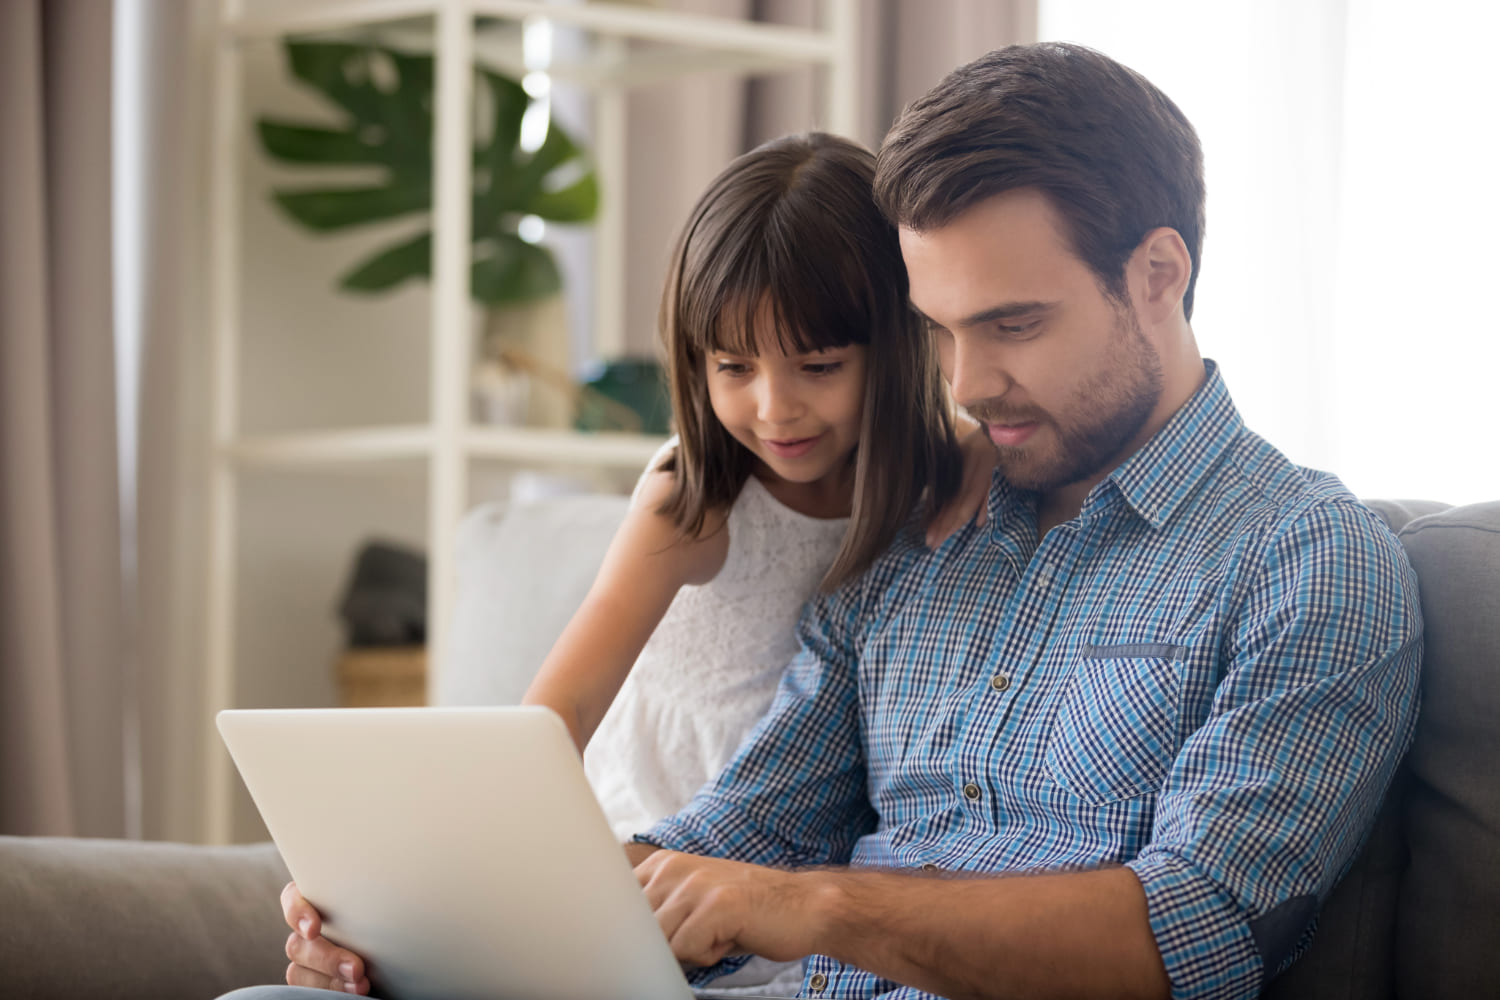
x=385 y=601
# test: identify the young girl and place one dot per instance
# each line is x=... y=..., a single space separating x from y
x=811 y=422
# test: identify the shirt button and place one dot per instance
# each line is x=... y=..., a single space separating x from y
x=928 y=866
x=971 y=792
x=818 y=982
x=1000 y=682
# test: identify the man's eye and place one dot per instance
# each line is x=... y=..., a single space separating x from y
x=1018 y=329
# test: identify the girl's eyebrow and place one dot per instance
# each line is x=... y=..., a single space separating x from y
x=1011 y=310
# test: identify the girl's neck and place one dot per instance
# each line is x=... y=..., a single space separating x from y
x=826 y=498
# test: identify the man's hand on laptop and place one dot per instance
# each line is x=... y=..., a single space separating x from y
x=709 y=908
x=316 y=961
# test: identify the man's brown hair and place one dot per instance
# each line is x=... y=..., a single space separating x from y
x=790 y=231
x=1113 y=154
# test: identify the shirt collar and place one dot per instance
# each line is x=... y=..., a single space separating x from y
x=1157 y=478
x=1168 y=468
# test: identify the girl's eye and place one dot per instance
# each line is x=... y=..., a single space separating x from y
x=822 y=367
x=731 y=368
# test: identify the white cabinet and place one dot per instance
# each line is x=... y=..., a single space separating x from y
x=629 y=45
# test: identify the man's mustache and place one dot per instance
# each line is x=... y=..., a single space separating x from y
x=995 y=412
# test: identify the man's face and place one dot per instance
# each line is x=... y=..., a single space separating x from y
x=1060 y=374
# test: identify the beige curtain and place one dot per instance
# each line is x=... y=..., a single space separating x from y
x=171 y=41
x=681 y=135
x=62 y=677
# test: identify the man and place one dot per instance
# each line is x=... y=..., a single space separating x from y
x=1120 y=740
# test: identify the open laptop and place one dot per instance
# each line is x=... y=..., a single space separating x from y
x=460 y=850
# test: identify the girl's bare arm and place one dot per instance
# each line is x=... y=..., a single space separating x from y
x=647 y=563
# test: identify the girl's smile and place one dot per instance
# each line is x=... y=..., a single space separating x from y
x=793 y=448
x=798 y=414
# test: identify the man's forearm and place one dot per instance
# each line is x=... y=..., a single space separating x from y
x=1064 y=935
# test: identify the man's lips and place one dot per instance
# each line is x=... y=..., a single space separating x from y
x=1011 y=435
x=791 y=447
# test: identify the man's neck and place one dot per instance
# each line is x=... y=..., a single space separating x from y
x=1066 y=502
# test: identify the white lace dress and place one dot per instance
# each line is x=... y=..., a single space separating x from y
x=709 y=671
x=707 y=675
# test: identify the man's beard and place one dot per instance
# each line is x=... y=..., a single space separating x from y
x=1109 y=409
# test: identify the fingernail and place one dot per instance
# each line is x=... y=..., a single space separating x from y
x=347 y=971
x=305 y=926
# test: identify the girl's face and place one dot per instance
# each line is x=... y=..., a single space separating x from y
x=799 y=415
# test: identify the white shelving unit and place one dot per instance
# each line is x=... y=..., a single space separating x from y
x=447 y=443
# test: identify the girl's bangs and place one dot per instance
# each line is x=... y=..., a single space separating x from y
x=809 y=308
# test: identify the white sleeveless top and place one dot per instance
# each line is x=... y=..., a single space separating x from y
x=709 y=671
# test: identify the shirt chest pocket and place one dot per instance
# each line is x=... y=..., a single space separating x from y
x=1115 y=731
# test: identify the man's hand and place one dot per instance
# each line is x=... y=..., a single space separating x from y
x=316 y=961
x=709 y=908
x=969 y=504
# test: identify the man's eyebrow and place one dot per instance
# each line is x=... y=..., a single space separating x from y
x=1011 y=310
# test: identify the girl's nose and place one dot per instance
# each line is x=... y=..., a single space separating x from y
x=779 y=402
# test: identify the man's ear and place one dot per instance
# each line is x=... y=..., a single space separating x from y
x=1160 y=270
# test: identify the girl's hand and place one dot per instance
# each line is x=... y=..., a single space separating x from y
x=316 y=961
x=979 y=466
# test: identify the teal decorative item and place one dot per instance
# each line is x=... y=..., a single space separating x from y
x=636 y=384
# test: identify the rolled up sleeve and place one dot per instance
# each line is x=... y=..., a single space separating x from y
x=1268 y=802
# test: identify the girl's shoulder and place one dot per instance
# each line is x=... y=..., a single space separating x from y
x=696 y=558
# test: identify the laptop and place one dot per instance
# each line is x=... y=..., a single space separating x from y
x=461 y=851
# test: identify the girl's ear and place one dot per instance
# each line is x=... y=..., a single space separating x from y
x=1158 y=274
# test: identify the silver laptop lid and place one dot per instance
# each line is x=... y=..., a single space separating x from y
x=460 y=850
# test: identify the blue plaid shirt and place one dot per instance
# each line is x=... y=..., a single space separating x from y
x=1209 y=675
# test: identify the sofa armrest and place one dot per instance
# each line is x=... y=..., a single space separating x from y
x=86 y=918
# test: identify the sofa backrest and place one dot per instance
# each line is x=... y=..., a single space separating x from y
x=522 y=570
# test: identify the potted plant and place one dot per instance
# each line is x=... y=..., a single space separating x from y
x=385 y=98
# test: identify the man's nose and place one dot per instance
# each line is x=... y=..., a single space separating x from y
x=973 y=374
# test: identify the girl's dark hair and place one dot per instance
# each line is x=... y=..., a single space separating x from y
x=1116 y=157
x=790 y=229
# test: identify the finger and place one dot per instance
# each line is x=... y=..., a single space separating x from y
x=678 y=912
x=650 y=868
x=670 y=913
x=321 y=958
x=696 y=940
x=296 y=975
x=300 y=915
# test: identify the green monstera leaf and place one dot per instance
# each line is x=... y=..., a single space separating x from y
x=385 y=98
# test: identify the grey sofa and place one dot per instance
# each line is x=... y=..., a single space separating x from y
x=1416 y=918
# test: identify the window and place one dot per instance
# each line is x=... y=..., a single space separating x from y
x=1353 y=221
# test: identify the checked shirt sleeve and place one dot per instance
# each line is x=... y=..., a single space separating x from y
x=1267 y=803
x=794 y=793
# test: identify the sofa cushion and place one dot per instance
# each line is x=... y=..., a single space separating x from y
x=1448 y=925
x=126 y=919
x=523 y=569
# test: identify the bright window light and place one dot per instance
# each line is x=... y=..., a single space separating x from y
x=1352 y=215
